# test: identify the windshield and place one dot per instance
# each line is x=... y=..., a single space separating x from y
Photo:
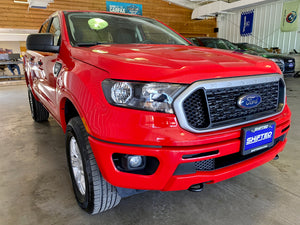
x=230 y=45
x=92 y=28
x=218 y=43
x=255 y=48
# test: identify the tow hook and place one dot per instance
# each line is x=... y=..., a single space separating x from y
x=276 y=157
x=196 y=187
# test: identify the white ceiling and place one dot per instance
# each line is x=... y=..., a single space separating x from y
x=192 y=4
x=207 y=8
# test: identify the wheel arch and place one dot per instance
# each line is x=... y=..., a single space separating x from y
x=68 y=110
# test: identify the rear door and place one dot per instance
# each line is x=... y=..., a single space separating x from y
x=32 y=66
x=47 y=64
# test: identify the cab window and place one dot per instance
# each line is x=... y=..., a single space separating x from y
x=44 y=27
x=55 y=29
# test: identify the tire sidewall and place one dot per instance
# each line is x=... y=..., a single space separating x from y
x=100 y=195
x=31 y=103
x=83 y=200
x=38 y=112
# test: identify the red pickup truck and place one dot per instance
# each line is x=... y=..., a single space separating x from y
x=144 y=109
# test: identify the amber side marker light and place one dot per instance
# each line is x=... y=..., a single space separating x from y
x=85 y=125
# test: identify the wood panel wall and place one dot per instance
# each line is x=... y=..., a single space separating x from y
x=15 y=15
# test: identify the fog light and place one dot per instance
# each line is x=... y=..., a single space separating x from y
x=135 y=161
x=136 y=164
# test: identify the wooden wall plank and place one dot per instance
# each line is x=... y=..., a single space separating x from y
x=14 y=15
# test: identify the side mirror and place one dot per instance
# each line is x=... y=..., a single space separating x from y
x=41 y=42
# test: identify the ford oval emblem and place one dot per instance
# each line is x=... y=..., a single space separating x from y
x=249 y=101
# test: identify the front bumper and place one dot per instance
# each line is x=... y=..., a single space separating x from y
x=170 y=157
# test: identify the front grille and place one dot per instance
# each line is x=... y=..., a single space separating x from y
x=212 y=105
x=223 y=102
x=195 y=109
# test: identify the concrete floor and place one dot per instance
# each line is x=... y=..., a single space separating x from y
x=35 y=187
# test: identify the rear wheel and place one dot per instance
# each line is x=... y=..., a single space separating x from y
x=38 y=111
x=93 y=193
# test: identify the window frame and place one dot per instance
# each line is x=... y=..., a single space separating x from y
x=49 y=26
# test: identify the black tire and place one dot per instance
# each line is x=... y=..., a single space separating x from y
x=99 y=195
x=38 y=111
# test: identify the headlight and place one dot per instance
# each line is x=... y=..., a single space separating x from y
x=121 y=92
x=278 y=61
x=156 y=97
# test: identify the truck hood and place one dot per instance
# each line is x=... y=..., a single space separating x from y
x=171 y=63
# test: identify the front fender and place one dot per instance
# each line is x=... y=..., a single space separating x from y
x=82 y=87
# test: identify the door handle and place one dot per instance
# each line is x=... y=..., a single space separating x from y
x=56 y=69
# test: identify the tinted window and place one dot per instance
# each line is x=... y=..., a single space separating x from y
x=230 y=45
x=255 y=48
x=88 y=28
x=196 y=41
x=211 y=43
x=55 y=29
x=216 y=43
x=221 y=44
x=44 y=27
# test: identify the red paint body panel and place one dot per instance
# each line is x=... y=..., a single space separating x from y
x=170 y=157
x=175 y=64
x=111 y=127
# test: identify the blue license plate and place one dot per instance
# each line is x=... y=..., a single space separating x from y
x=258 y=137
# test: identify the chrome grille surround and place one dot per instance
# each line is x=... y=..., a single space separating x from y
x=208 y=85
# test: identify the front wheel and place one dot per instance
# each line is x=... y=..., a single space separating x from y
x=93 y=193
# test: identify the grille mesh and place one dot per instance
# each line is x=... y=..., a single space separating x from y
x=205 y=165
x=222 y=104
x=195 y=109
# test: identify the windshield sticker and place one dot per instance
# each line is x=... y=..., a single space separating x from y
x=97 y=23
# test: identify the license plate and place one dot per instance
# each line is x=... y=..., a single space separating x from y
x=258 y=137
x=291 y=65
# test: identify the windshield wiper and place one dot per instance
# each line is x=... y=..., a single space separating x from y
x=87 y=44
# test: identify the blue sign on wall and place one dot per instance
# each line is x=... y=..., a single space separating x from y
x=122 y=7
x=246 y=23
